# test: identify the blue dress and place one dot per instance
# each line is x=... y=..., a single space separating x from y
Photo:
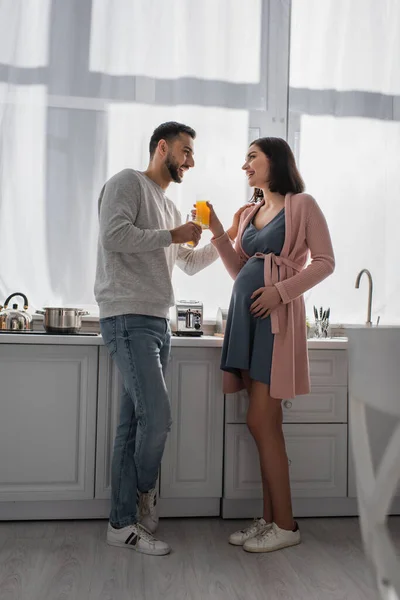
x=248 y=341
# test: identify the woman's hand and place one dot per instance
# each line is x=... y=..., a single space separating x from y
x=216 y=226
x=268 y=299
x=234 y=228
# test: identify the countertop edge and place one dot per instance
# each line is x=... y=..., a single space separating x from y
x=177 y=342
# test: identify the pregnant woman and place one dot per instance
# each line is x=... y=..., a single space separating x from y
x=265 y=344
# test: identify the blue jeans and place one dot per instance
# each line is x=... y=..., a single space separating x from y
x=140 y=347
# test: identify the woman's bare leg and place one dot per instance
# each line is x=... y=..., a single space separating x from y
x=267 y=506
x=264 y=419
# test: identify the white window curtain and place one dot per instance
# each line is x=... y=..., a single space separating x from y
x=82 y=86
x=344 y=103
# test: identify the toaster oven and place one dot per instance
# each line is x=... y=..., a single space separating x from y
x=187 y=318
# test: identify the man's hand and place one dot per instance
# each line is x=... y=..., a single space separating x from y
x=234 y=228
x=268 y=299
x=189 y=232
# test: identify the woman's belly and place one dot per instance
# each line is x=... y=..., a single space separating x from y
x=249 y=279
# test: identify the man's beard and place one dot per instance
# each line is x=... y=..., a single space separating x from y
x=173 y=170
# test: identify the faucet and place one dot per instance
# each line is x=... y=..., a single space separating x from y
x=370 y=287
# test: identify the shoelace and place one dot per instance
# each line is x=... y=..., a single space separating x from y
x=267 y=533
x=145 y=535
x=252 y=527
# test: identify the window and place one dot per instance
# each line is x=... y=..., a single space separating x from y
x=80 y=94
x=344 y=123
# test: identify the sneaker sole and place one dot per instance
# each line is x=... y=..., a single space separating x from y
x=140 y=550
x=243 y=543
x=280 y=547
x=237 y=543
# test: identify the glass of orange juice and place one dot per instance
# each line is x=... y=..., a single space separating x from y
x=202 y=218
x=203 y=214
x=189 y=244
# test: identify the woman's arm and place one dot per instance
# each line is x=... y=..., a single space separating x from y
x=322 y=257
x=231 y=259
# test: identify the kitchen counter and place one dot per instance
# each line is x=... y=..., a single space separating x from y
x=206 y=341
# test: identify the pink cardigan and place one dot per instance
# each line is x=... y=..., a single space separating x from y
x=306 y=233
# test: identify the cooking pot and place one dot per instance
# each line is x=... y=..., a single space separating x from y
x=62 y=320
x=15 y=319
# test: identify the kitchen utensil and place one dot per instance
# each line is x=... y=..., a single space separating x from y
x=15 y=319
x=321 y=328
x=62 y=320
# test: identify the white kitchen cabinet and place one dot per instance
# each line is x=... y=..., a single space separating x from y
x=317 y=456
x=328 y=367
x=48 y=400
x=192 y=462
x=315 y=428
x=109 y=391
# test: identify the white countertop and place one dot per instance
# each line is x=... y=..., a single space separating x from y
x=206 y=341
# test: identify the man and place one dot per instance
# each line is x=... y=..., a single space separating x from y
x=140 y=241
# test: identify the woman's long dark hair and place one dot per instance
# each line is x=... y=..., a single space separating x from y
x=284 y=176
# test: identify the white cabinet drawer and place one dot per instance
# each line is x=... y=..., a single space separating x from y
x=328 y=367
x=317 y=455
x=322 y=405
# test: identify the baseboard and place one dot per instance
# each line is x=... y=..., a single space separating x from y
x=100 y=509
x=180 y=507
x=302 y=507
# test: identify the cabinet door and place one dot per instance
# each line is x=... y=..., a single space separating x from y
x=328 y=367
x=109 y=392
x=47 y=422
x=192 y=462
x=317 y=456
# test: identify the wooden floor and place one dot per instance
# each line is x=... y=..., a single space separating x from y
x=70 y=560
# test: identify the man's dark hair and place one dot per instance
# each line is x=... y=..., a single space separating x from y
x=284 y=176
x=168 y=131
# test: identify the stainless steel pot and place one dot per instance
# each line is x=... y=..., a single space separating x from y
x=62 y=320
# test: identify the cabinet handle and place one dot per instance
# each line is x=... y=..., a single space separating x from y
x=290 y=462
x=287 y=404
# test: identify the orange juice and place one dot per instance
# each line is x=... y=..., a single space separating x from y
x=203 y=214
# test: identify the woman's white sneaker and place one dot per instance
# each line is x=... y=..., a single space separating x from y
x=240 y=537
x=273 y=539
x=147 y=510
x=136 y=537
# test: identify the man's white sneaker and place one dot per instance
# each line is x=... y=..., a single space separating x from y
x=273 y=539
x=240 y=537
x=147 y=510
x=136 y=537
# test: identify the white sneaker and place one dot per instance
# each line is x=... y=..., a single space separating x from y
x=273 y=539
x=147 y=510
x=240 y=537
x=136 y=538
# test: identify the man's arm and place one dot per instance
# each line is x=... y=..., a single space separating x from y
x=193 y=261
x=119 y=205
